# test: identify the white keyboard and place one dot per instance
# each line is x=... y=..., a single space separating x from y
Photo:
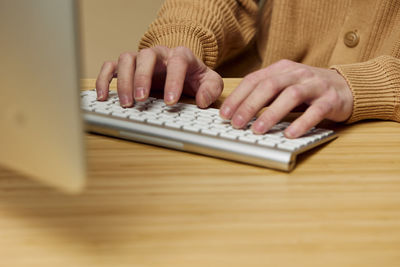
x=189 y=128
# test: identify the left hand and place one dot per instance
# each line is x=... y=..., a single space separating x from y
x=285 y=85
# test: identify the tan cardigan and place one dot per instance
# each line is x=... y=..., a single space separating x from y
x=359 y=38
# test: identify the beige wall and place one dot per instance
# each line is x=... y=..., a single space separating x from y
x=110 y=27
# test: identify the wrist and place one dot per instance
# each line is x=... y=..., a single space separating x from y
x=373 y=88
x=201 y=42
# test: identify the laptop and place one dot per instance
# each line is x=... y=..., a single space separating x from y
x=41 y=127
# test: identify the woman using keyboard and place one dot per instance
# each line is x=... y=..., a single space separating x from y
x=341 y=58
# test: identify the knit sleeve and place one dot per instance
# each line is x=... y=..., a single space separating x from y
x=214 y=30
x=375 y=85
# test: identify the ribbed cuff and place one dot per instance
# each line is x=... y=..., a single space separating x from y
x=375 y=85
x=202 y=43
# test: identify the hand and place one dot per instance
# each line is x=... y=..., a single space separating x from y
x=284 y=86
x=180 y=69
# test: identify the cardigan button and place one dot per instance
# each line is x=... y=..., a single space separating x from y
x=351 y=39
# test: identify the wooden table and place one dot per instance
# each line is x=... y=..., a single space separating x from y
x=149 y=206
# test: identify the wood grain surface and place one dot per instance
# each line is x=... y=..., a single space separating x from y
x=150 y=206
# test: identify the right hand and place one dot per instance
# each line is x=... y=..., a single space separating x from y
x=182 y=71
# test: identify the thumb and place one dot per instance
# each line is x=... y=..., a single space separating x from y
x=209 y=90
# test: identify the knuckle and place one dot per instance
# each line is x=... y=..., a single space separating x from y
x=323 y=84
x=146 y=52
x=328 y=108
x=248 y=109
x=181 y=50
x=322 y=110
x=271 y=86
x=126 y=56
x=140 y=78
x=161 y=51
x=269 y=83
x=108 y=64
x=124 y=86
x=304 y=72
x=333 y=96
x=108 y=67
x=296 y=93
x=270 y=116
x=179 y=53
x=174 y=83
x=176 y=58
x=124 y=83
x=160 y=47
x=283 y=63
x=142 y=61
x=250 y=79
x=258 y=75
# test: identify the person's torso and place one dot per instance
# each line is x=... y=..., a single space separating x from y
x=323 y=32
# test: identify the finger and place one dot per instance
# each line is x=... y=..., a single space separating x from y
x=126 y=70
x=209 y=90
x=311 y=117
x=145 y=64
x=290 y=98
x=250 y=82
x=265 y=91
x=104 y=78
x=177 y=67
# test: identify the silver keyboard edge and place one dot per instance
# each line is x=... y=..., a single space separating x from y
x=191 y=142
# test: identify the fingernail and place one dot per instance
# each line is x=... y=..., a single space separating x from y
x=226 y=112
x=170 y=98
x=125 y=101
x=207 y=98
x=100 y=96
x=238 y=121
x=259 y=127
x=139 y=93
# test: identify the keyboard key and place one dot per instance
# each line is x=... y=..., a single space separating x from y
x=204 y=120
x=120 y=114
x=210 y=111
x=187 y=118
x=155 y=121
x=88 y=108
x=137 y=118
x=209 y=132
x=286 y=146
x=164 y=116
x=237 y=132
x=103 y=111
x=191 y=128
x=228 y=136
x=201 y=124
x=173 y=124
x=221 y=126
x=268 y=143
x=247 y=139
